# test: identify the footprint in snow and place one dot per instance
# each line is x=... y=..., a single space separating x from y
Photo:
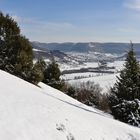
x=61 y=127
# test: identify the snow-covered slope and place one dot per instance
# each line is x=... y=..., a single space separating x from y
x=28 y=112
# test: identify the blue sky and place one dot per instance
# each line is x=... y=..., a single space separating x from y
x=76 y=20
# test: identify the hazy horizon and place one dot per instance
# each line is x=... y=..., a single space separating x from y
x=85 y=42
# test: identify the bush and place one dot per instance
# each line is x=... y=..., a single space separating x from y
x=104 y=103
x=71 y=91
x=90 y=94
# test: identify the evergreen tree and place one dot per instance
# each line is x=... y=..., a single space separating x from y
x=126 y=90
x=9 y=32
x=52 y=75
x=16 y=55
x=38 y=71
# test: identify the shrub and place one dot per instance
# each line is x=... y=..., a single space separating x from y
x=90 y=94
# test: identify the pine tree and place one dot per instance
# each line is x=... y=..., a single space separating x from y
x=126 y=90
x=9 y=32
x=16 y=55
x=52 y=75
x=38 y=71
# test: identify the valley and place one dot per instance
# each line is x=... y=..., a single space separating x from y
x=98 y=66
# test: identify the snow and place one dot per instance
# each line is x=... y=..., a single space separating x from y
x=119 y=65
x=37 y=50
x=77 y=66
x=91 y=45
x=106 y=81
x=28 y=112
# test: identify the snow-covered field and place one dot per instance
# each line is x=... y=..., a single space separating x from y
x=117 y=64
x=28 y=112
x=105 y=80
x=78 y=66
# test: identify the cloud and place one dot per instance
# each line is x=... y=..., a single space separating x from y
x=36 y=29
x=132 y=4
x=42 y=24
x=127 y=30
x=51 y=31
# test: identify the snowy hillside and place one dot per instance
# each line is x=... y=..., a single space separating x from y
x=28 y=112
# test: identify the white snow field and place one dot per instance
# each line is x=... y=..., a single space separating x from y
x=28 y=112
x=105 y=81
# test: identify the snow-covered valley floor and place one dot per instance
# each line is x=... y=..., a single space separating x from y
x=105 y=80
x=28 y=112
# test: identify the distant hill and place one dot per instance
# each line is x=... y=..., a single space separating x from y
x=59 y=56
x=82 y=52
x=116 y=48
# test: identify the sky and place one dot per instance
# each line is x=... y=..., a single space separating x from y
x=76 y=20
